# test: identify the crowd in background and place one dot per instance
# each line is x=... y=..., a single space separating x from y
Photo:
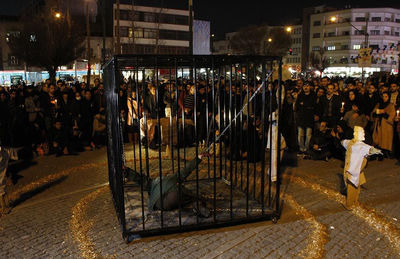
x=316 y=114
x=53 y=118
x=326 y=111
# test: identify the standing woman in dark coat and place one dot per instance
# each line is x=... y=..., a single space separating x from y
x=384 y=114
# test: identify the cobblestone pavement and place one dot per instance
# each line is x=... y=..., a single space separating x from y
x=40 y=226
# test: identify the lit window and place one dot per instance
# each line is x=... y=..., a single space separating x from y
x=333 y=47
x=356 y=46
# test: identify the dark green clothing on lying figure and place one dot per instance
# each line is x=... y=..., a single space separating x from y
x=170 y=183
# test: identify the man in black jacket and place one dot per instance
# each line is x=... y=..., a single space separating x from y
x=319 y=144
x=305 y=110
x=151 y=110
x=332 y=105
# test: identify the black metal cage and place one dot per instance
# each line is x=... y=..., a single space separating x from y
x=164 y=112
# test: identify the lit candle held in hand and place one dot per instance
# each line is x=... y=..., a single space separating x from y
x=342 y=104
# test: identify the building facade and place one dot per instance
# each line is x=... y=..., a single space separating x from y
x=343 y=34
x=151 y=30
x=294 y=58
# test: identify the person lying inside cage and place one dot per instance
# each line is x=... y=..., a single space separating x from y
x=170 y=189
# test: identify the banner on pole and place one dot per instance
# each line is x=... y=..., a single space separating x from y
x=364 y=59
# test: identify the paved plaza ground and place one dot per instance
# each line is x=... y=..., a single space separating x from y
x=63 y=209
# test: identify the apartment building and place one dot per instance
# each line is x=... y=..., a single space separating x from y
x=340 y=34
x=151 y=30
x=294 y=57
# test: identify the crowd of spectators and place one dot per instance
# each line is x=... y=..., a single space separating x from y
x=317 y=114
x=49 y=118
x=67 y=118
x=326 y=111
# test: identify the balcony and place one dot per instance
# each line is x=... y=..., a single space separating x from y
x=362 y=22
x=344 y=35
x=354 y=60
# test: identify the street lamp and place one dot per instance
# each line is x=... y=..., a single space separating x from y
x=212 y=43
x=365 y=33
x=267 y=46
x=57 y=15
x=288 y=28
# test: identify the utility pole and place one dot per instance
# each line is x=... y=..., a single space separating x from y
x=88 y=43
x=190 y=36
x=398 y=60
x=365 y=44
x=103 y=23
x=132 y=48
x=191 y=27
x=118 y=44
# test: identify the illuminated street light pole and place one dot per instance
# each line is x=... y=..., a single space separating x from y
x=88 y=45
x=365 y=33
x=267 y=43
x=212 y=43
x=191 y=27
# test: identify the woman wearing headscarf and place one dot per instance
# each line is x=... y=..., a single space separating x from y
x=350 y=99
x=383 y=117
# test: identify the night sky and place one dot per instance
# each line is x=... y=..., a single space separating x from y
x=227 y=16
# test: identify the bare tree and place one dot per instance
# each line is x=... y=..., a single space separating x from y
x=253 y=40
x=132 y=16
x=48 y=41
x=318 y=60
x=158 y=14
x=279 y=43
x=248 y=40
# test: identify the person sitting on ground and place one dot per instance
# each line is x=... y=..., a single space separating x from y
x=320 y=144
x=341 y=132
x=59 y=141
x=170 y=189
x=99 y=129
x=354 y=117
